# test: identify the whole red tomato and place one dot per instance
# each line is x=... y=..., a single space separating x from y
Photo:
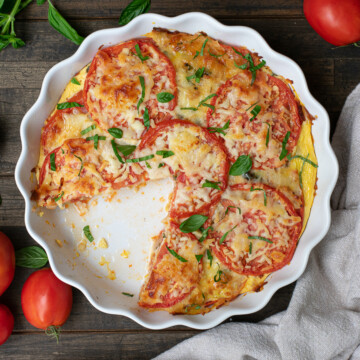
x=7 y=262
x=46 y=301
x=6 y=323
x=336 y=21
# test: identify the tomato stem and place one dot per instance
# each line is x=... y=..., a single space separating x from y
x=54 y=332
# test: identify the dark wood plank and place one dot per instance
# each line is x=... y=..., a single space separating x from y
x=111 y=9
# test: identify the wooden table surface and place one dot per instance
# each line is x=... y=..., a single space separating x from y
x=90 y=334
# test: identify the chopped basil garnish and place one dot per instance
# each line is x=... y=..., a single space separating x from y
x=52 y=162
x=235 y=207
x=142 y=83
x=114 y=144
x=225 y=235
x=202 y=103
x=241 y=166
x=87 y=233
x=250 y=247
x=88 y=129
x=217 y=277
x=146 y=118
x=201 y=53
x=139 y=54
x=148 y=165
x=220 y=130
x=284 y=152
x=254 y=112
x=301 y=171
x=303 y=159
x=59 y=196
x=164 y=97
x=75 y=81
x=116 y=133
x=96 y=139
x=211 y=184
x=161 y=165
x=259 y=238
x=174 y=253
x=126 y=150
x=209 y=256
x=165 y=153
x=249 y=65
x=267 y=134
x=82 y=165
x=196 y=38
x=68 y=105
x=144 y=158
x=259 y=189
x=216 y=56
x=197 y=76
x=127 y=294
x=199 y=257
x=135 y=8
x=204 y=233
x=193 y=223
x=62 y=150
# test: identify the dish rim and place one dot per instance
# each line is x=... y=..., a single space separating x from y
x=270 y=288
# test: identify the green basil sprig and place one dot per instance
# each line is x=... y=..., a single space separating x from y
x=32 y=257
x=62 y=26
x=135 y=8
x=241 y=166
x=193 y=223
x=126 y=150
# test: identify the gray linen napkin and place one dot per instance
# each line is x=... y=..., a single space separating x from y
x=323 y=317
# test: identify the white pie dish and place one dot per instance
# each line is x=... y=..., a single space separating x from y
x=83 y=271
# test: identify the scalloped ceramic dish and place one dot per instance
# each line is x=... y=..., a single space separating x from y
x=118 y=221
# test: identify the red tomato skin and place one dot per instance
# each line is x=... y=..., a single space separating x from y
x=45 y=299
x=6 y=323
x=7 y=262
x=336 y=21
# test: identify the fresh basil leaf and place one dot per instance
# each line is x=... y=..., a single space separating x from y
x=32 y=257
x=68 y=105
x=199 y=257
x=250 y=247
x=82 y=164
x=126 y=150
x=235 y=207
x=59 y=197
x=148 y=165
x=303 y=159
x=146 y=118
x=116 y=133
x=259 y=189
x=165 y=153
x=225 y=235
x=284 y=152
x=164 y=97
x=174 y=253
x=74 y=80
x=142 y=83
x=211 y=184
x=209 y=256
x=193 y=223
x=127 y=294
x=254 y=112
x=242 y=67
x=198 y=75
x=144 y=158
x=62 y=26
x=259 y=238
x=267 y=134
x=87 y=233
x=114 y=146
x=220 y=130
x=241 y=166
x=202 y=102
x=205 y=232
x=216 y=56
x=135 y=8
x=52 y=162
x=88 y=129
x=139 y=54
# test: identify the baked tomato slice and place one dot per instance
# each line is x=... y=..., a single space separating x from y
x=63 y=124
x=256 y=118
x=77 y=171
x=174 y=270
x=124 y=80
x=256 y=229
x=194 y=157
